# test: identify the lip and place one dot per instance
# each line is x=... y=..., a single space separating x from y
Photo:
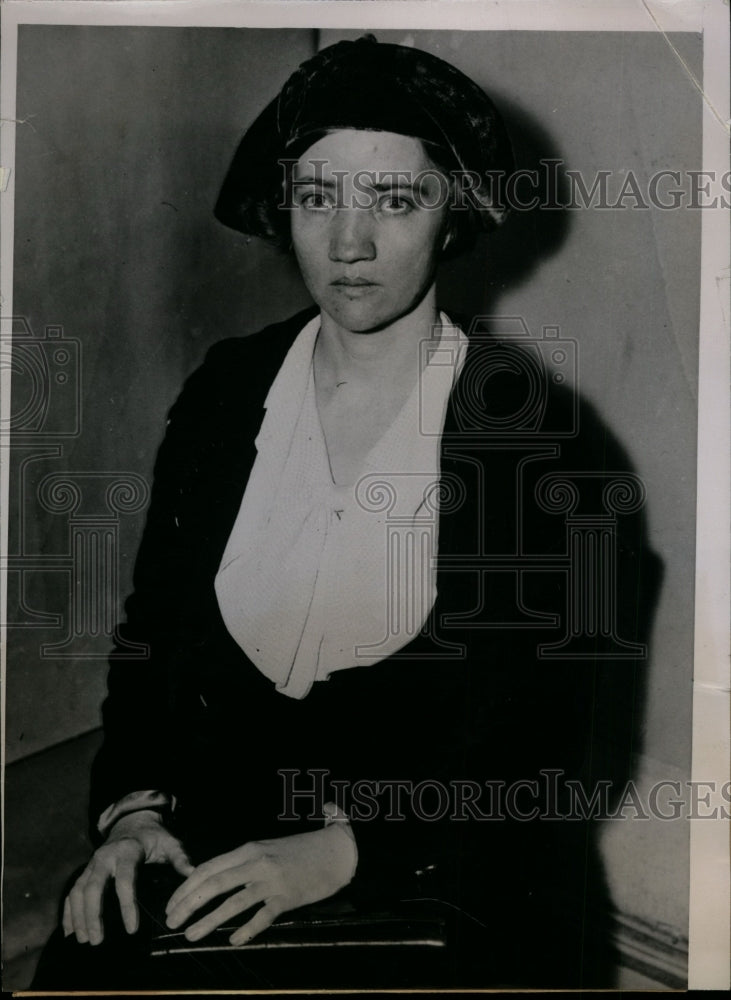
x=354 y=288
x=353 y=283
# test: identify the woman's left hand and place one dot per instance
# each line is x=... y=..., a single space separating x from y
x=283 y=874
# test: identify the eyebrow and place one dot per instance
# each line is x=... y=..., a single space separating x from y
x=331 y=185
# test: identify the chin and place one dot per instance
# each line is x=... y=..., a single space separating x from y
x=359 y=318
x=364 y=316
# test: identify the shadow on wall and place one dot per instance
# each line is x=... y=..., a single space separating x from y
x=469 y=289
x=508 y=257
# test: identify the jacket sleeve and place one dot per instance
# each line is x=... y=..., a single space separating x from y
x=146 y=679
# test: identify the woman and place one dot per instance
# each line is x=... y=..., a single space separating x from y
x=312 y=664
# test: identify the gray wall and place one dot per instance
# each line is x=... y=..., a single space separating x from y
x=129 y=131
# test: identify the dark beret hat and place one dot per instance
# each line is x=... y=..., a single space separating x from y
x=369 y=85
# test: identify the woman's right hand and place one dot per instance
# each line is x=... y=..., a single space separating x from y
x=136 y=839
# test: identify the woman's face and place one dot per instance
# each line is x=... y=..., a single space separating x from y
x=366 y=239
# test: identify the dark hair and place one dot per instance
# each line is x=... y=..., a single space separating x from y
x=365 y=85
x=463 y=222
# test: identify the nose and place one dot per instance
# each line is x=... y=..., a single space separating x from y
x=352 y=236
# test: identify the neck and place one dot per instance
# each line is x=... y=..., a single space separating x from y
x=386 y=354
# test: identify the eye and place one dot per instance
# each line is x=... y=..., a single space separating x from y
x=316 y=201
x=395 y=204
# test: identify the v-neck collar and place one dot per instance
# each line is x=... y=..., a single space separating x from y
x=420 y=416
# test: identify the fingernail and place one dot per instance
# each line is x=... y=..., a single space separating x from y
x=194 y=933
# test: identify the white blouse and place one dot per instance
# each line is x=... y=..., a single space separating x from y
x=318 y=577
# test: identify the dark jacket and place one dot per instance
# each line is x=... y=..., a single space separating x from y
x=471 y=700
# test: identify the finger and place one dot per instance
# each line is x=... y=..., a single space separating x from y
x=232 y=907
x=180 y=861
x=67 y=922
x=124 y=885
x=76 y=901
x=204 y=892
x=262 y=919
x=196 y=878
x=93 y=892
x=210 y=880
x=199 y=875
